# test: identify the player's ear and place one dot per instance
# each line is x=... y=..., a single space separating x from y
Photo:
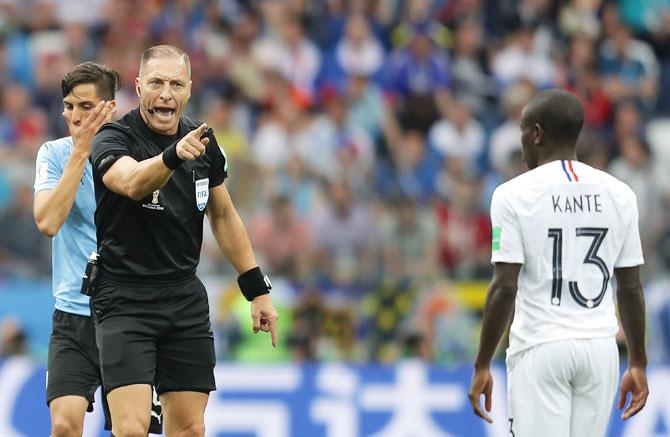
x=538 y=133
x=111 y=117
x=137 y=87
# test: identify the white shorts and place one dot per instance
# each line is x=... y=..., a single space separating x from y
x=562 y=388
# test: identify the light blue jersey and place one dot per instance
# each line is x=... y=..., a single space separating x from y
x=75 y=240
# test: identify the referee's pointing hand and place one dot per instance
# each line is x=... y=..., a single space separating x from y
x=192 y=146
x=264 y=316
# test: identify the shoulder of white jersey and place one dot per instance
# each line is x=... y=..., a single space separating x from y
x=614 y=184
x=506 y=190
x=517 y=183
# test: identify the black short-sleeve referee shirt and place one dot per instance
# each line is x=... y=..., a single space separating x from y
x=156 y=239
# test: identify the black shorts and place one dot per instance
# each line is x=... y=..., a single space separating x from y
x=158 y=333
x=73 y=367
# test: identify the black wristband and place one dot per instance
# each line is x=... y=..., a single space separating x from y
x=170 y=157
x=254 y=283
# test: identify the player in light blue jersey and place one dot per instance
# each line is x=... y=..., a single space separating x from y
x=64 y=207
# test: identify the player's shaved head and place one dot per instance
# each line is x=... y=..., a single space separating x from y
x=162 y=52
x=559 y=113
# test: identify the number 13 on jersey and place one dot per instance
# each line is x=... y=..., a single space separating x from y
x=591 y=257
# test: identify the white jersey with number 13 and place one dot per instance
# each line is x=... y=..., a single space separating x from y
x=569 y=225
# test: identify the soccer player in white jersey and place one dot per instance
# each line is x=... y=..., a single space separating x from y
x=561 y=231
x=63 y=207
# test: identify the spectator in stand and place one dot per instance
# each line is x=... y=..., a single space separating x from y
x=459 y=134
x=464 y=232
x=233 y=53
x=582 y=53
x=660 y=40
x=367 y=110
x=17 y=115
x=582 y=78
x=418 y=78
x=282 y=240
x=291 y=53
x=644 y=16
x=592 y=150
x=49 y=68
x=629 y=67
x=541 y=14
x=588 y=87
x=282 y=127
x=23 y=250
x=418 y=14
x=410 y=170
x=409 y=242
x=505 y=138
x=637 y=168
x=472 y=82
x=344 y=239
x=302 y=187
x=628 y=122
x=459 y=11
x=358 y=52
x=580 y=17
x=522 y=58
x=337 y=149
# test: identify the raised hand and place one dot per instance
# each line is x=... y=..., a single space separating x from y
x=193 y=145
x=83 y=133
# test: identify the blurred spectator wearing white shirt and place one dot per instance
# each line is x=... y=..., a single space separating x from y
x=459 y=135
x=358 y=52
x=523 y=58
x=505 y=138
x=638 y=168
x=291 y=53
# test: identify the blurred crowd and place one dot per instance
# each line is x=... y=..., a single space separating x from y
x=364 y=138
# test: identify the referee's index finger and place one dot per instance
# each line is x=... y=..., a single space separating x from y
x=199 y=131
x=273 y=332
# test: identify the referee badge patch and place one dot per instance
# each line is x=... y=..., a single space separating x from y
x=201 y=193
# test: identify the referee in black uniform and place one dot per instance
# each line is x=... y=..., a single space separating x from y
x=156 y=174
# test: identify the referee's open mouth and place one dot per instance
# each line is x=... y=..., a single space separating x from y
x=164 y=113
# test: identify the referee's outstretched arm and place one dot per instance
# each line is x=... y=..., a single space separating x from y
x=233 y=240
x=138 y=179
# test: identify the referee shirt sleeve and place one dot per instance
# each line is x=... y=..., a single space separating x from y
x=507 y=240
x=109 y=144
x=218 y=170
